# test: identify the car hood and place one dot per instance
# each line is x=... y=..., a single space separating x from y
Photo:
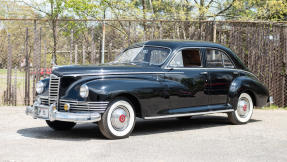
x=106 y=69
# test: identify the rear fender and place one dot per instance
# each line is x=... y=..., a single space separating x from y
x=258 y=92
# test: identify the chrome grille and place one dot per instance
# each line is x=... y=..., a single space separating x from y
x=54 y=89
x=84 y=106
x=44 y=100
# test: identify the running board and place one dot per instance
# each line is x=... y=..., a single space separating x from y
x=188 y=114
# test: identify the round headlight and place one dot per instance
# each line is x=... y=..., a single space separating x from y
x=40 y=87
x=84 y=91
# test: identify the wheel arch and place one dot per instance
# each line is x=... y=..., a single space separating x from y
x=257 y=91
x=252 y=95
x=134 y=100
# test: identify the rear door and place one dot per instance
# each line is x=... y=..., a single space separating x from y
x=221 y=72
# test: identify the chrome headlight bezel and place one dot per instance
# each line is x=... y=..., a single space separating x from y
x=40 y=86
x=84 y=91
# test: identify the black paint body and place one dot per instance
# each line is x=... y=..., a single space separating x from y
x=160 y=90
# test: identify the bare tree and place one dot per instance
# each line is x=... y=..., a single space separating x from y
x=53 y=10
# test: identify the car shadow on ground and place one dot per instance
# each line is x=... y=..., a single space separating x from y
x=142 y=127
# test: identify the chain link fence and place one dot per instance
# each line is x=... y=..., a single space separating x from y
x=27 y=47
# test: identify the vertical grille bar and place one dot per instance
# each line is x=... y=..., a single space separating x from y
x=54 y=89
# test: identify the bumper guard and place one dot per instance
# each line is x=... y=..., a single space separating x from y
x=83 y=117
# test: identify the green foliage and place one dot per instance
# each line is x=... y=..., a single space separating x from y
x=274 y=10
x=274 y=107
x=83 y=8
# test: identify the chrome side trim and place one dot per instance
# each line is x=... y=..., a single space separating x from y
x=204 y=68
x=121 y=73
x=188 y=114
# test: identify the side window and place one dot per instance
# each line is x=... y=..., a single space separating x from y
x=187 y=58
x=158 y=56
x=217 y=59
x=227 y=62
x=177 y=61
x=141 y=55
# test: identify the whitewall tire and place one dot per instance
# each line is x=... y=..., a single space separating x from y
x=244 y=110
x=118 y=120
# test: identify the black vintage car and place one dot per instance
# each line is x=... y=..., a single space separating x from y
x=150 y=80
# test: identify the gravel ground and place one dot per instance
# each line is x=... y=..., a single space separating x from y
x=202 y=138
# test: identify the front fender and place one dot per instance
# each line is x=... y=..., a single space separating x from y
x=107 y=89
x=150 y=94
x=257 y=90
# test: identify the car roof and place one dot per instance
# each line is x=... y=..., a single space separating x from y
x=176 y=44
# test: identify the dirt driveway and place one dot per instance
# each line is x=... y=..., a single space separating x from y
x=202 y=138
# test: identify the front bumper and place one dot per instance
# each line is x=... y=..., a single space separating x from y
x=53 y=114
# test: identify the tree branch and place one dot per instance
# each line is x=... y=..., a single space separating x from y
x=38 y=9
x=210 y=2
x=230 y=5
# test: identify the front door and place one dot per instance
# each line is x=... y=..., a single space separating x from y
x=186 y=82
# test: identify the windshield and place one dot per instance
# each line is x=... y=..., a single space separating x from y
x=147 y=54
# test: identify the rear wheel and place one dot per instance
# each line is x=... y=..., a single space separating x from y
x=60 y=125
x=244 y=110
x=119 y=119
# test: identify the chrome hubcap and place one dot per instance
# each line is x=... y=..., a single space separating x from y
x=243 y=107
x=120 y=118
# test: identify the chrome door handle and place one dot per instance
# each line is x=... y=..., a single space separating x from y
x=235 y=72
x=204 y=73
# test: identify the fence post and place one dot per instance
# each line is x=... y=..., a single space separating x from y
x=93 y=47
x=27 y=71
x=160 y=30
x=9 y=71
x=45 y=57
x=76 y=54
x=110 y=55
x=103 y=43
x=71 y=47
x=84 y=52
x=283 y=47
x=39 y=54
x=15 y=88
x=34 y=58
x=129 y=34
x=214 y=32
x=134 y=31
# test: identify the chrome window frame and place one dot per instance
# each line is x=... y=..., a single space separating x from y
x=170 y=51
x=226 y=54
x=176 y=53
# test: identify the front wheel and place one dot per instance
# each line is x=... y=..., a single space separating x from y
x=60 y=125
x=244 y=110
x=119 y=119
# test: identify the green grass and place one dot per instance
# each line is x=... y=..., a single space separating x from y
x=19 y=73
x=20 y=85
x=274 y=107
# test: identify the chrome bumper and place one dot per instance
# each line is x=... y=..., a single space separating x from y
x=85 y=117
